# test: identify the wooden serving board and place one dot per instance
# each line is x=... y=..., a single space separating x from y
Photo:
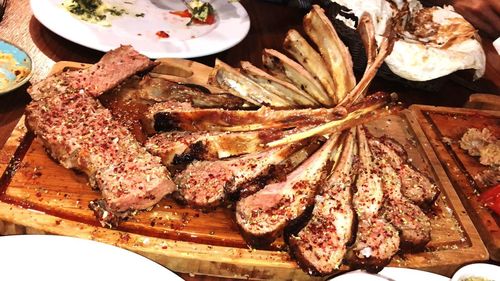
x=37 y=194
x=444 y=127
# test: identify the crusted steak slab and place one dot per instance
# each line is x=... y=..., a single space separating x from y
x=81 y=134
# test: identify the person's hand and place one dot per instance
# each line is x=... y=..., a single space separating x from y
x=482 y=14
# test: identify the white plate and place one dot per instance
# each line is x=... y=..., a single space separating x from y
x=484 y=270
x=48 y=257
x=231 y=26
x=391 y=274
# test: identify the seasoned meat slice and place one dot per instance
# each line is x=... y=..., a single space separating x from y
x=205 y=184
x=321 y=245
x=263 y=215
x=113 y=68
x=377 y=240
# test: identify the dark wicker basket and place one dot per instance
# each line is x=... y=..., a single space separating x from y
x=352 y=40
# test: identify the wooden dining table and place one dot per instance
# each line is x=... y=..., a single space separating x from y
x=269 y=24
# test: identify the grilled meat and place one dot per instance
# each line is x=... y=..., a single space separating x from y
x=175 y=116
x=96 y=79
x=205 y=184
x=282 y=88
x=377 y=241
x=287 y=69
x=414 y=185
x=263 y=215
x=366 y=30
x=182 y=147
x=237 y=84
x=321 y=245
x=149 y=90
x=414 y=226
x=298 y=47
x=332 y=49
x=81 y=134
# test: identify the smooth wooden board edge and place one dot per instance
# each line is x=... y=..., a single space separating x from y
x=490 y=240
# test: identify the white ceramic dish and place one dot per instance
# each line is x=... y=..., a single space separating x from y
x=60 y=258
x=484 y=270
x=391 y=274
x=231 y=26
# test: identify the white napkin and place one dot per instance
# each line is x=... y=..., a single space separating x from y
x=496 y=44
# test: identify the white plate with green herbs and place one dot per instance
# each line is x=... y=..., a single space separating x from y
x=145 y=24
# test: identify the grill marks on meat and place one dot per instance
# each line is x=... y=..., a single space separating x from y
x=205 y=184
x=171 y=117
x=414 y=184
x=377 y=241
x=263 y=215
x=182 y=147
x=414 y=226
x=81 y=134
x=113 y=68
x=321 y=245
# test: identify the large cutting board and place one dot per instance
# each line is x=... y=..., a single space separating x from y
x=444 y=127
x=38 y=194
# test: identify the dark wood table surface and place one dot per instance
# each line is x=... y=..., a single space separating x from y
x=269 y=25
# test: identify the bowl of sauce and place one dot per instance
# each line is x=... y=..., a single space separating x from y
x=15 y=67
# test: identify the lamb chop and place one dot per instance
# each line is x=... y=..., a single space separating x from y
x=414 y=185
x=81 y=134
x=377 y=241
x=182 y=147
x=414 y=226
x=263 y=215
x=205 y=184
x=321 y=245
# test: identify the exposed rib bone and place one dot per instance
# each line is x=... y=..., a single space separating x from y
x=366 y=30
x=335 y=54
x=298 y=47
x=237 y=84
x=279 y=87
x=279 y=64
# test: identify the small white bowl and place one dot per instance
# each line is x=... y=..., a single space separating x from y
x=483 y=270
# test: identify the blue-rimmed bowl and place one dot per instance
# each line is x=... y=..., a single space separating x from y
x=9 y=81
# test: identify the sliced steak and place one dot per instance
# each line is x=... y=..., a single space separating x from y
x=205 y=184
x=263 y=215
x=113 y=68
x=321 y=245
